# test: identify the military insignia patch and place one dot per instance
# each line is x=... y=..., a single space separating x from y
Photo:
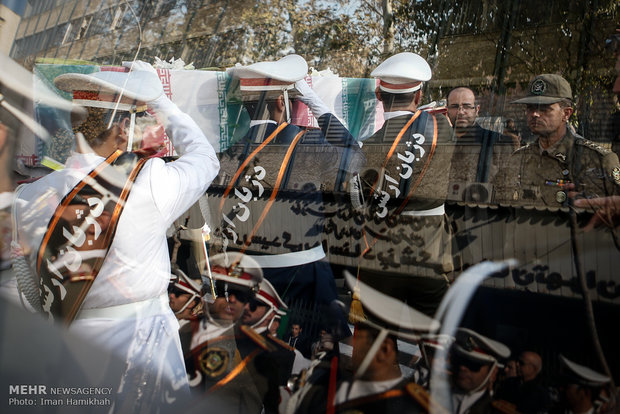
x=616 y=174
x=214 y=361
x=538 y=87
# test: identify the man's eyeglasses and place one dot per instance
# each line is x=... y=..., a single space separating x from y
x=465 y=107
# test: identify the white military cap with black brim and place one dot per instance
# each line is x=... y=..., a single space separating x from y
x=574 y=373
x=187 y=285
x=478 y=349
x=547 y=89
x=402 y=73
x=264 y=76
x=113 y=90
x=389 y=316
x=18 y=80
x=268 y=295
x=268 y=80
x=237 y=269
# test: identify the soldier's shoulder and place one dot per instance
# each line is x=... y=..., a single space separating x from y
x=419 y=394
x=280 y=343
x=256 y=338
x=525 y=148
x=591 y=145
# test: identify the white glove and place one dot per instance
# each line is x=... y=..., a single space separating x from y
x=139 y=65
x=310 y=98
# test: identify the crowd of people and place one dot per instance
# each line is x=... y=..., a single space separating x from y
x=91 y=244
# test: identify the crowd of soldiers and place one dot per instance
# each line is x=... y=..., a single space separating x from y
x=91 y=244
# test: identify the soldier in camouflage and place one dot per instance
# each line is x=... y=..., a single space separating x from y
x=542 y=172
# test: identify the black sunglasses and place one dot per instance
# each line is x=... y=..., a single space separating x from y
x=224 y=289
x=473 y=366
x=254 y=304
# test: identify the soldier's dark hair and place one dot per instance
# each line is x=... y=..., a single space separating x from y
x=391 y=100
x=93 y=127
x=259 y=109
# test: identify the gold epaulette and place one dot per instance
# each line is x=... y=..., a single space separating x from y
x=422 y=397
x=592 y=145
x=505 y=407
x=418 y=393
x=257 y=338
x=281 y=343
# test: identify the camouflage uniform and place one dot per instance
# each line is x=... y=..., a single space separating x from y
x=536 y=177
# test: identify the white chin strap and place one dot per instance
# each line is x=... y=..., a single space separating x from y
x=361 y=370
x=264 y=318
x=486 y=379
x=190 y=300
x=132 y=127
x=288 y=112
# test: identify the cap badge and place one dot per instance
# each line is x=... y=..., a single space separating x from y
x=214 y=362
x=237 y=271
x=470 y=344
x=538 y=87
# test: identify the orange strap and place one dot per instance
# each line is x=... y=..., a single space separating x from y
x=276 y=188
x=394 y=145
x=68 y=198
x=118 y=208
x=236 y=371
x=371 y=398
x=247 y=161
x=420 y=176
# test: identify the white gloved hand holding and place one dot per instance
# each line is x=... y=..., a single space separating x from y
x=136 y=65
x=162 y=102
x=310 y=98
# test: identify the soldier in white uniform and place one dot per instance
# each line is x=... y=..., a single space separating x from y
x=126 y=307
x=584 y=390
x=474 y=361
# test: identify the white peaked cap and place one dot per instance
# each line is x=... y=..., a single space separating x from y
x=137 y=85
x=186 y=283
x=402 y=73
x=478 y=347
x=289 y=69
x=389 y=313
x=268 y=295
x=583 y=375
x=236 y=268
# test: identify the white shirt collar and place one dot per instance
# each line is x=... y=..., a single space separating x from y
x=394 y=114
x=464 y=401
x=261 y=122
